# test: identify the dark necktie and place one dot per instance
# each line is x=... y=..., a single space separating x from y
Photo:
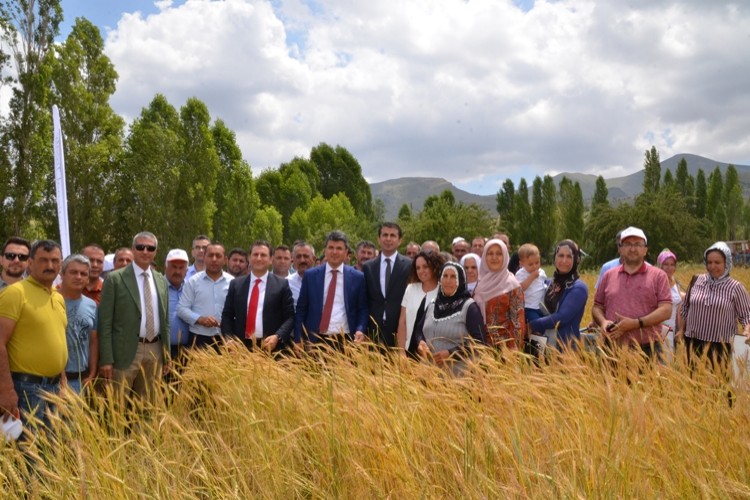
x=387 y=274
x=325 y=320
x=252 y=310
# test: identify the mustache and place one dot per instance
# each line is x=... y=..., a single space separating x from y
x=52 y=271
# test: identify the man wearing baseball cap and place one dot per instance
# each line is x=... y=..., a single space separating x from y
x=633 y=298
x=175 y=271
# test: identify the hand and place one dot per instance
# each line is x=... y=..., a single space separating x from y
x=9 y=405
x=359 y=337
x=207 y=321
x=269 y=343
x=166 y=367
x=441 y=357
x=679 y=336
x=87 y=380
x=423 y=350
x=105 y=372
x=535 y=274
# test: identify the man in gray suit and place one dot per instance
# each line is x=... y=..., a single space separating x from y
x=134 y=322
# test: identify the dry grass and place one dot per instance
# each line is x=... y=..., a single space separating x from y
x=245 y=426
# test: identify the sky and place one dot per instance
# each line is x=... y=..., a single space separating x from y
x=473 y=91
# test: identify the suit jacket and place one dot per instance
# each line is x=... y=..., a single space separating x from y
x=278 y=309
x=120 y=317
x=310 y=303
x=384 y=332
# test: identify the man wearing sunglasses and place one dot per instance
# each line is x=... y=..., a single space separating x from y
x=134 y=323
x=14 y=260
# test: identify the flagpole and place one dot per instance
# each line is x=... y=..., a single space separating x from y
x=60 y=186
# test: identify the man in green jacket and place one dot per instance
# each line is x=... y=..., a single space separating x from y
x=134 y=322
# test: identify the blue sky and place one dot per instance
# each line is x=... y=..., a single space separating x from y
x=474 y=91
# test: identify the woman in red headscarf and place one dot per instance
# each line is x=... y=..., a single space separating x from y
x=500 y=298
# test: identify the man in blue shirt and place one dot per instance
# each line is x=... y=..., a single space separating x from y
x=80 y=334
x=203 y=297
x=175 y=271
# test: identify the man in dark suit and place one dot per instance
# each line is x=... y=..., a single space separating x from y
x=259 y=308
x=386 y=278
x=332 y=304
x=134 y=322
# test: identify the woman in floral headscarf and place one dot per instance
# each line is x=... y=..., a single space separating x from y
x=565 y=299
x=667 y=262
x=712 y=307
x=500 y=298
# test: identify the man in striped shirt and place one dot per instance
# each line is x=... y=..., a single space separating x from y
x=633 y=298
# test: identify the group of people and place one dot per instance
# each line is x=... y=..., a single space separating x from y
x=65 y=323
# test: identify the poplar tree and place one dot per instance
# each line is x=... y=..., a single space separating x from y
x=652 y=171
x=601 y=194
x=701 y=194
x=733 y=202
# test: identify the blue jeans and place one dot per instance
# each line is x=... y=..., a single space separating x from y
x=31 y=399
x=531 y=314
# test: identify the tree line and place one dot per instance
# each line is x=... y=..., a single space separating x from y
x=180 y=172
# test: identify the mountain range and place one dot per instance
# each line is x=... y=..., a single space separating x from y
x=414 y=190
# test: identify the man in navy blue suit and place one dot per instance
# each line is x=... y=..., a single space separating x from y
x=386 y=277
x=332 y=304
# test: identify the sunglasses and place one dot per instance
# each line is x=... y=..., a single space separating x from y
x=22 y=257
x=141 y=247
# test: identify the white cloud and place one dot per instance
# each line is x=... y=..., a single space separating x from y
x=452 y=88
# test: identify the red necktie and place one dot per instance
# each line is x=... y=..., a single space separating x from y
x=252 y=311
x=325 y=320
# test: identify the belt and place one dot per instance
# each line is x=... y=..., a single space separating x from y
x=75 y=375
x=34 y=379
x=144 y=340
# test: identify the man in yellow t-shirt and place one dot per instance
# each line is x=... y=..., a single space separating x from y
x=33 y=351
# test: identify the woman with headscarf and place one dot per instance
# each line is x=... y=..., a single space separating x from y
x=422 y=289
x=452 y=322
x=713 y=305
x=470 y=262
x=667 y=262
x=500 y=298
x=565 y=299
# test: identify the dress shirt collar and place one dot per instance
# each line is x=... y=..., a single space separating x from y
x=392 y=257
x=329 y=268
x=263 y=279
x=138 y=270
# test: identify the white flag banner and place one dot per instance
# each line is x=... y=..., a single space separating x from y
x=60 y=187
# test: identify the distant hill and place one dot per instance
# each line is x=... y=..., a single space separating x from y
x=414 y=190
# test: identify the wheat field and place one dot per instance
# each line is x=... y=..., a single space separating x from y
x=363 y=426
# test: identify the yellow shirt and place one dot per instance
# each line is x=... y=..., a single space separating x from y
x=37 y=346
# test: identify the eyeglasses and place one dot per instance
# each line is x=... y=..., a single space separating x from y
x=633 y=245
x=141 y=247
x=22 y=257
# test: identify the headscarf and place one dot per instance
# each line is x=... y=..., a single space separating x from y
x=562 y=281
x=478 y=261
x=447 y=306
x=493 y=283
x=664 y=255
x=723 y=248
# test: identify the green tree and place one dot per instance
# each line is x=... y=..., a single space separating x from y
x=548 y=218
x=505 y=198
x=537 y=207
x=669 y=182
x=601 y=195
x=28 y=29
x=147 y=183
x=715 y=208
x=733 y=202
x=571 y=210
x=236 y=199
x=84 y=80
x=266 y=226
x=701 y=194
x=442 y=219
x=681 y=178
x=340 y=172
x=404 y=213
x=323 y=216
x=522 y=214
x=652 y=171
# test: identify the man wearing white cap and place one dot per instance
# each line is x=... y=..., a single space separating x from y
x=459 y=247
x=175 y=271
x=633 y=298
